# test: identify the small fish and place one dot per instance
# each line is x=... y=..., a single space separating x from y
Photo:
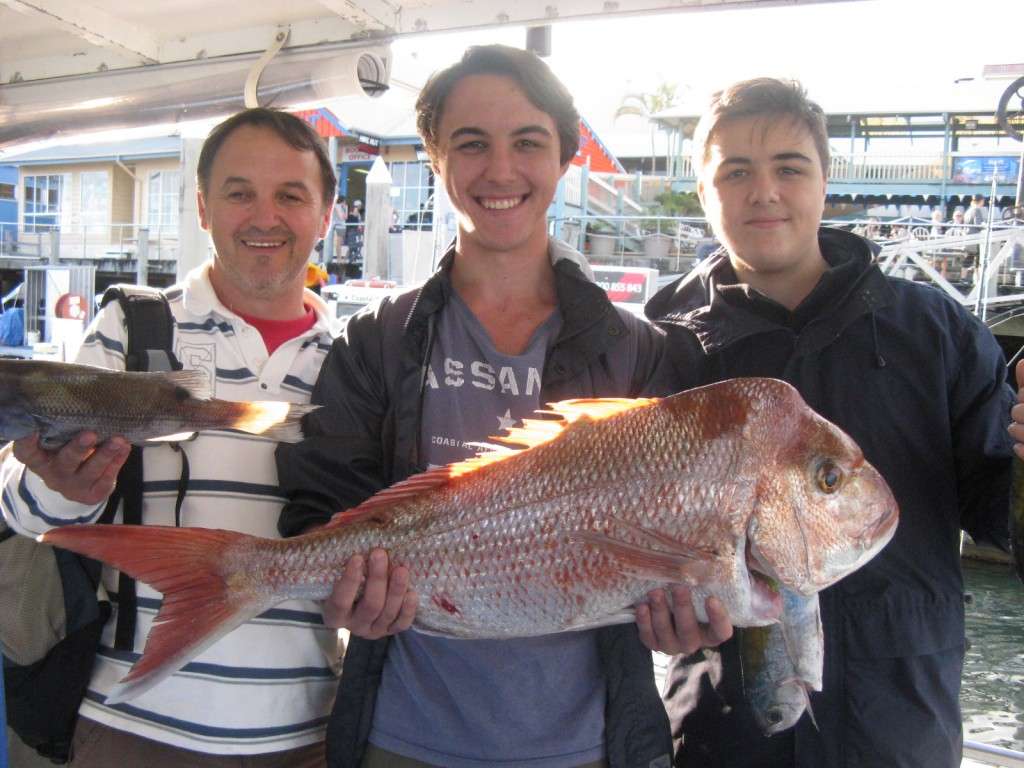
x=59 y=400
x=731 y=489
x=782 y=663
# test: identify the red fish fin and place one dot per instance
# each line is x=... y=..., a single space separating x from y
x=535 y=432
x=186 y=564
x=639 y=562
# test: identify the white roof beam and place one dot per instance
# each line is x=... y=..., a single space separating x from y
x=365 y=13
x=92 y=25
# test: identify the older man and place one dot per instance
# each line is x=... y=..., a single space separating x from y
x=261 y=695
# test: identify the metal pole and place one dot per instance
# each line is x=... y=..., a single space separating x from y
x=1020 y=178
x=142 y=257
x=982 y=308
x=584 y=204
x=332 y=153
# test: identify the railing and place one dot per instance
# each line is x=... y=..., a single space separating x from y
x=895 y=168
x=92 y=243
x=930 y=168
x=665 y=243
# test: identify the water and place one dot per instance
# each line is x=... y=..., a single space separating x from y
x=992 y=697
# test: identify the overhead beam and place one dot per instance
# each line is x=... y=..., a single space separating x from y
x=93 y=25
x=379 y=14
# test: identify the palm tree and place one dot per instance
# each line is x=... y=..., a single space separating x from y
x=647 y=105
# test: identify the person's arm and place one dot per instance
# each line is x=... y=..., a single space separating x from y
x=41 y=488
x=340 y=463
x=980 y=407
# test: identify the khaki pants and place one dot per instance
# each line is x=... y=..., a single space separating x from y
x=97 y=746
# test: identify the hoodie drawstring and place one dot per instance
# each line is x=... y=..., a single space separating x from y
x=879 y=360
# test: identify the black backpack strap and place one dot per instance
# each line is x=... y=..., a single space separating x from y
x=150 y=335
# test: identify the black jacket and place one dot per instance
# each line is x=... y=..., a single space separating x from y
x=367 y=437
x=920 y=384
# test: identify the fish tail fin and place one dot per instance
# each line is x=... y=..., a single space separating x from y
x=277 y=420
x=201 y=574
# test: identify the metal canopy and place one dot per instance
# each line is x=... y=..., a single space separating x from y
x=55 y=38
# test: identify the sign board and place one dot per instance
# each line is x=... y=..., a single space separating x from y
x=981 y=170
x=629 y=287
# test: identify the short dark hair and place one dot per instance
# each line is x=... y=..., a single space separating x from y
x=293 y=130
x=545 y=91
x=762 y=96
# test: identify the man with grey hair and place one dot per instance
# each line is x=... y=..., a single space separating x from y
x=918 y=382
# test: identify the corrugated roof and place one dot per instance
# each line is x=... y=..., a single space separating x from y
x=124 y=150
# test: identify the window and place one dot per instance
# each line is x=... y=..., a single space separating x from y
x=6 y=191
x=415 y=182
x=43 y=198
x=162 y=208
x=95 y=200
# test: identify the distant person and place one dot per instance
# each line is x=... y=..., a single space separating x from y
x=958 y=228
x=354 y=233
x=938 y=220
x=977 y=213
x=914 y=378
x=340 y=216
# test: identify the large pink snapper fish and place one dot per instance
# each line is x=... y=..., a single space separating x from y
x=730 y=489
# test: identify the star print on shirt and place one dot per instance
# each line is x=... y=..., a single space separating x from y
x=506 y=421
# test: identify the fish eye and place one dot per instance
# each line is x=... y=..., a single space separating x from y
x=773 y=716
x=829 y=476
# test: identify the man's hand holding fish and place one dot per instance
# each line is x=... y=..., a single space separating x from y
x=83 y=470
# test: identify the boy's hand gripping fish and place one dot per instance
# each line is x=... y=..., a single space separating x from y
x=731 y=489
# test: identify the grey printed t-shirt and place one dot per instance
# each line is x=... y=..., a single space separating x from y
x=536 y=702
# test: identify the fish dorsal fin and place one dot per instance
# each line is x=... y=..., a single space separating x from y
x=534 y=432
x=197 y=382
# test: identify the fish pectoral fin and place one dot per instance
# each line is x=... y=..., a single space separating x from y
x=647 y=564
x=625 y=616
x=661 y=542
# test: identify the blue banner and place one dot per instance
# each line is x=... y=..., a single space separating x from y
x=981 y=170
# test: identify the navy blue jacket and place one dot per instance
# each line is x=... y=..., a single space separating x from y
x=368 y=436
x=920 y=384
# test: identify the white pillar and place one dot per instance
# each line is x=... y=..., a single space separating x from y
x=377 y=222
x=193 y=241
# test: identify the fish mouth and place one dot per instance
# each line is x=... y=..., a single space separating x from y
x=882 y=529
x=766 y=599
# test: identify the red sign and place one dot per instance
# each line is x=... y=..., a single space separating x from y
x=71 y=306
